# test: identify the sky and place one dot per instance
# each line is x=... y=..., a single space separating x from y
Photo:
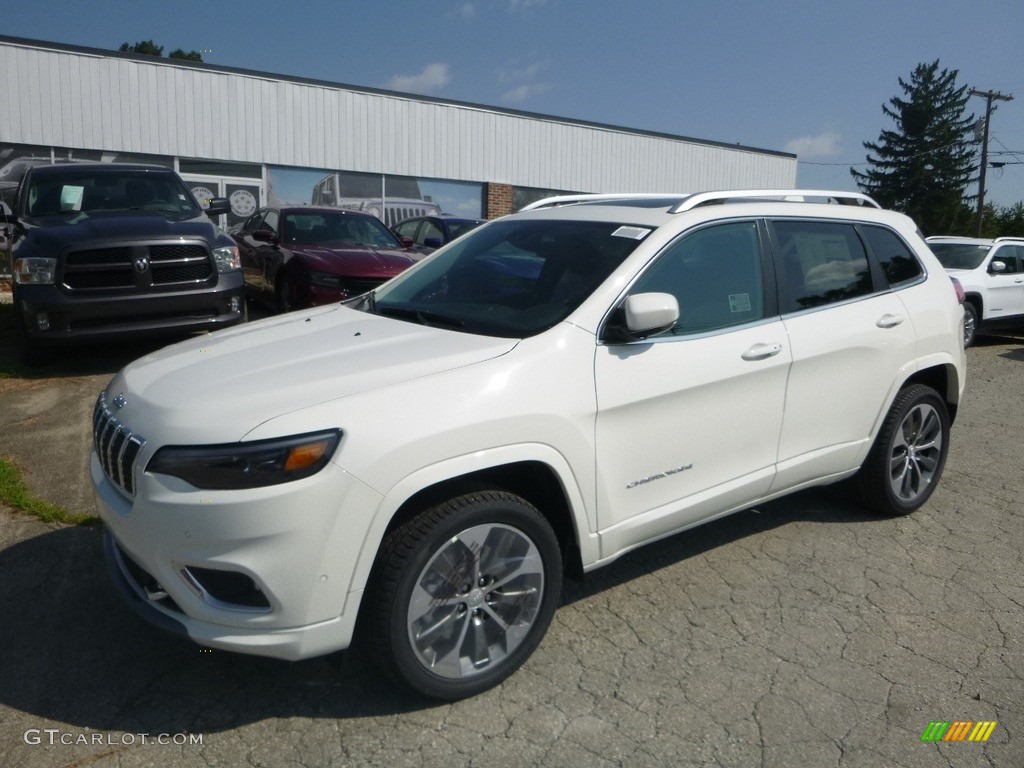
x=806 y=77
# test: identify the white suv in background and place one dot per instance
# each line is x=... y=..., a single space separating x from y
x=991 y=273
x=416 y=467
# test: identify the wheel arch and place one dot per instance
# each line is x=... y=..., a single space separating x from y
x=533 y=480
x=944 y=379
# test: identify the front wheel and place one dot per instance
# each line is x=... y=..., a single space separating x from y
x=906 y=461
x=970 y=324
x=463 y=594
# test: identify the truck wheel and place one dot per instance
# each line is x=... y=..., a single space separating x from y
x=463 y=594
x=906 y=461
x=970 y=324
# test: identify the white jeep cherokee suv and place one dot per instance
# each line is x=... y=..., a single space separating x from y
x=992 y=275
x=416 y=466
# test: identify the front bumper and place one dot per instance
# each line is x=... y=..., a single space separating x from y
x=295 y=545
x=81 y=317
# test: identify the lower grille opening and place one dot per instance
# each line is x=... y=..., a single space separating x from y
x=229 y=587
x=148 y=585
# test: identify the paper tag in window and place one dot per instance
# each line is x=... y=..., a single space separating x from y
x=739 y=302
x=633 y=233
x=71 y=198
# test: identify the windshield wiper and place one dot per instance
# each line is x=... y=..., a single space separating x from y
x=420 y=316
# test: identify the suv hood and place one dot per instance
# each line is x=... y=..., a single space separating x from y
x=224 y=385
x=360 y=260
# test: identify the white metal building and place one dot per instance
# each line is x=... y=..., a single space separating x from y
x=226 y=126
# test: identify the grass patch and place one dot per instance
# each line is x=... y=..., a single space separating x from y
x=14 y=493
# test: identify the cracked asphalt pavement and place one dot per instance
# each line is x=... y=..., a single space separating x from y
x=806 y=632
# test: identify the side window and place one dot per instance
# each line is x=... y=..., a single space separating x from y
x=820 y=262
x=715 y=274
x=253 y=222
x=897 y=260
x=1007 y=254
x=407 y=228
x=430 y=229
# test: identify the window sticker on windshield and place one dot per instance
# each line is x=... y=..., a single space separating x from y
x=633 y=233
x=71 y=198
x=739 y=302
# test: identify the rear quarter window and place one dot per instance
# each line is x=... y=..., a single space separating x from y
x=898 y=262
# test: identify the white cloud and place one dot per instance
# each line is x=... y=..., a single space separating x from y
x=524 y=92
x=468 y=11
x=432 y=78
x=823 y=145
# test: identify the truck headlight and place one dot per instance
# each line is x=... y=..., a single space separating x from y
x=247 y=465
x=227 y=258
x=35 y=270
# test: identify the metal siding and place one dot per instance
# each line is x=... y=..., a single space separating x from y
x=83 y=100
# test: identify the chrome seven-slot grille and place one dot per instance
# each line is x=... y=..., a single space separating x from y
x=116 y=447
x=138 y=266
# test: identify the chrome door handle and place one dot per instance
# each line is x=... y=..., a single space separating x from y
x=761 y=351
x=890 y=321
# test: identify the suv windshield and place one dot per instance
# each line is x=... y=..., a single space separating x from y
x=960 y=255
x=90 y=192
x=511 y=278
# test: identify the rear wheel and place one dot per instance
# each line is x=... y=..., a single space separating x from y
x=906 y=461
x=463 y=594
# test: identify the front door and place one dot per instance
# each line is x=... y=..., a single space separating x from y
x=688 y=423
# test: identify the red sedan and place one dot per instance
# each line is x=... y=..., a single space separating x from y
x=307 y=256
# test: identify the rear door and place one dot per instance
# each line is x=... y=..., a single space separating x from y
x=850 y=337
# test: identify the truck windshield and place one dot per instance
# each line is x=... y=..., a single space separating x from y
x=509 y=278
x=90 y=192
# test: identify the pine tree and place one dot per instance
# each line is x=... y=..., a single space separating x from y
x=924 y=166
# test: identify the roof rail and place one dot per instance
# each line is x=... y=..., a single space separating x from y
x=554 y=202
x=686 y=202
x=786 y=195
x=1009 y=239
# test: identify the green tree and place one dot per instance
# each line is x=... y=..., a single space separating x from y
x=924 y=165
x=147 y=47
x=179 y=53
x=150 y=48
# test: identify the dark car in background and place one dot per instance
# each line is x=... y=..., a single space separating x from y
x=311 y=255
x=103 y=251
x=428 y=233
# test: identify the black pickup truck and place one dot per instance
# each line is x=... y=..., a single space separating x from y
x=102 y=251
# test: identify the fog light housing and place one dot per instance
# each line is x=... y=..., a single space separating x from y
x=43 y=321
x=236 y=304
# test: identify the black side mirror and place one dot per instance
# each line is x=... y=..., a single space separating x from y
x=264 y=236
x=217 y=206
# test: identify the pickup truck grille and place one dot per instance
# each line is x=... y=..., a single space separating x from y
x=138 y=267
x=116 y=447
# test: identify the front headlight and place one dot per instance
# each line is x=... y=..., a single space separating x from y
x=247 y=465
x=35 y=271
x=227 y=258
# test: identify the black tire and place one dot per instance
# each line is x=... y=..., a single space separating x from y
x=462 y=594
x=909 y=453
x=970 y=324
x=284 y=295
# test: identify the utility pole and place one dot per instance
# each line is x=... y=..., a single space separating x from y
x=989 y=97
